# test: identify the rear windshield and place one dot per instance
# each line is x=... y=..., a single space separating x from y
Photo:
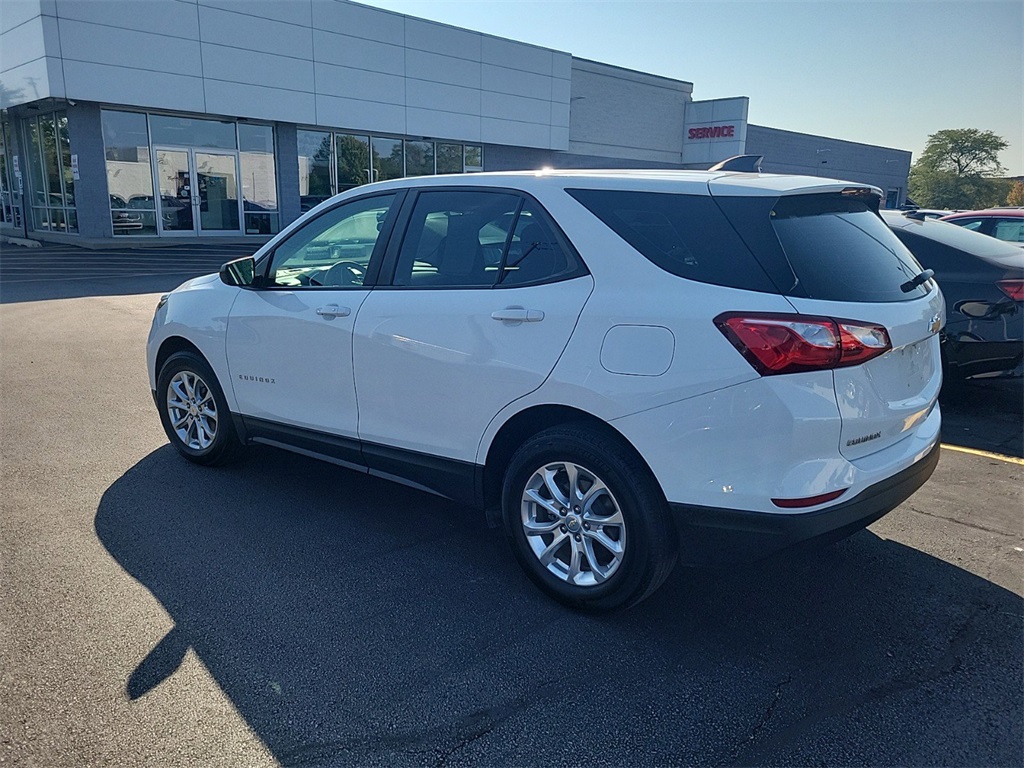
x=840 y=250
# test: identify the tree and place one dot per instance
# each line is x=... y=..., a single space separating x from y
x=957 y=170
x=1016 y=196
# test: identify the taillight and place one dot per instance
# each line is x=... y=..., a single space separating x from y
x=782 y=343
x=1012 y=288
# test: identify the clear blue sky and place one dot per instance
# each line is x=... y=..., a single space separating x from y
x=880 y=72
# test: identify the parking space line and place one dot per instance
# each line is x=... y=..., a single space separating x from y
x=986 y=454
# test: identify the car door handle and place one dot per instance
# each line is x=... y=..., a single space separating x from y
x=518 y=315
x=333 y=310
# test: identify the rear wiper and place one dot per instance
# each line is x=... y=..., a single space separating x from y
x=911 y=284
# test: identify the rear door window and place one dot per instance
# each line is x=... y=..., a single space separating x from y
x=1010 y=230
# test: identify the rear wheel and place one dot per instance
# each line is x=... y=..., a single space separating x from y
x=586 y=519
x=194 y=412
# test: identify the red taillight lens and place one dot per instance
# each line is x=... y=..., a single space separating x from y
x=782 y=343
x=1012 y=288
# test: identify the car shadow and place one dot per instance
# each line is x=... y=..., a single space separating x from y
x=985 y=414
x=354 y=621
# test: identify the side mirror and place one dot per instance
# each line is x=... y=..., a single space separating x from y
x=239 y=272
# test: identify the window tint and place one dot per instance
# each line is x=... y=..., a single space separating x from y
x=840 y=250
x=456 y=238
x=972 y=224
x=534 y=252
x=1011 y=230
x=943 y=258
x=334 y=249
x=687 y=235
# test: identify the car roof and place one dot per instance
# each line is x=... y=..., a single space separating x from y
x=983 y=246
x=1014 y=213
x=656 y=180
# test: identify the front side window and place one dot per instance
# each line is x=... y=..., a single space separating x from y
x=334 y=249
x=972 y=224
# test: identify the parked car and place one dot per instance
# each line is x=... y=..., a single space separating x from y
x=622 y=368
x=1001 y=223
x=123 y=221
x=926 y=213
x=983 y=282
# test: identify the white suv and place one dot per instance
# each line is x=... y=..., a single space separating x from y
x=626 y=367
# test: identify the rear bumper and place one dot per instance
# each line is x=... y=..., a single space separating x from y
x=710 y=536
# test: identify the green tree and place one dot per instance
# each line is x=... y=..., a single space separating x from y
x=1016 y=194
x=958 y=169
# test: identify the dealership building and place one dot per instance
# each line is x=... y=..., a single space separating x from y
x=125 y=120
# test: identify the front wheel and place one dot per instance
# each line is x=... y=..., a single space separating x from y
x=586 y=519
x=194 y=412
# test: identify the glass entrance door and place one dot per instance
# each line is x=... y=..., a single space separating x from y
x=174 y=200
x=198 y=192
x=217 y=177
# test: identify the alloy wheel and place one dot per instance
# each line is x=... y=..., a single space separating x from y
x=573 y=524
x=192 y=410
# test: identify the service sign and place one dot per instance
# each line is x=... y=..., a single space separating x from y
x=712 y=132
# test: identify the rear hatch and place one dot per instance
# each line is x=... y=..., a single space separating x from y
x=831 y=255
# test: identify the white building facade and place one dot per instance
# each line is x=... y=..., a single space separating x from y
x=127 y=119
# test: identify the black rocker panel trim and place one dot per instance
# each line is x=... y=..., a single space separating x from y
x=460 y=481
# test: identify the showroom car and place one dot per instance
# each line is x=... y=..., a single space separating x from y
x=982 y=280
x=621 y=369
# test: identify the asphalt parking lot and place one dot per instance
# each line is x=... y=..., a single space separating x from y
x=285 y=611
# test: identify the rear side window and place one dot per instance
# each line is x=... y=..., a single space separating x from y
x=687 y=235
x=1010 y=230
x=840 y=250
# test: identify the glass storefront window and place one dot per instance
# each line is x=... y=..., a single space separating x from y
x=259 y=179
x=10 y=204
x=388 y=160
x=314 y=168
x=419 y=158
x=49 y=166
x=192 y=132
x=64 y=145
x=353 y=160
x=333 y=162
x=449 y=158
x=129 y=173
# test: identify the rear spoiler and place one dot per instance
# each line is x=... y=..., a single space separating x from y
x=740 y=164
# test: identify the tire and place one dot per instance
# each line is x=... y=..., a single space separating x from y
x=610 y=551
x=194 y=412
